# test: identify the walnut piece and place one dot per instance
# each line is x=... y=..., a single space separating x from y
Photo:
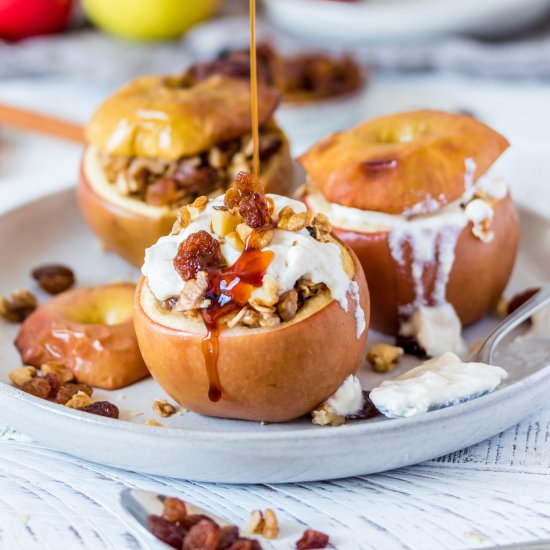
x=326 y=416
x=182 y=221
x=22 y=375
x=288 y=305
x=152 y=422
x=294 y=222
x=163 y=408
x=79 y=400
x=383 y=357
x=264 y=524
x=193 y=292
x=18 y=306
x=64 y=373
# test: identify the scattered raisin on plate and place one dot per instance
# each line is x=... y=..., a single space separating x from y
x=53 y=278
x=312 y=539
x=102 y=408
x=18 y=306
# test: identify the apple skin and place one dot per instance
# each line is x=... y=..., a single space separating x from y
x=128 y=233
x=148 y=19
x=24 y=18
x=266 y=375
x=99 y=354
x=479 y=275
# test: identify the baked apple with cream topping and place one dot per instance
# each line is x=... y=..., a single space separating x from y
x=435 y=229
x=160 y=142
x=251 y=308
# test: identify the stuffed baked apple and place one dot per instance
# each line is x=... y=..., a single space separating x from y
x=161 y=142
x=250 y=308
x=434 y=227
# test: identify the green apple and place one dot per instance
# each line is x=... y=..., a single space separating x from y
x=148 y=19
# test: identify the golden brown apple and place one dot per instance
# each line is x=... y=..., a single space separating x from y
x=89 y=330
x=478 y=277
x=271 y=375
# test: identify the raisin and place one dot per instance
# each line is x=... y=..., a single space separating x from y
x=205 y=535
x=245 y=544
x=66 y=391
x=198 y=252
x=312 y=539
x=193 y=519
x=201 y=180
x=288 y=305
x=255 y=211
x=166 y=531
x=519 y=299
x=18 y=306
x=38 y=387
x=410 y=346
x=228 y=535
x=162 y=193
x=269 y=145
x=54 y=278
x=102 y=408
x=55 y=383
x=245 y=186
x=367 y=411
x=174 y=510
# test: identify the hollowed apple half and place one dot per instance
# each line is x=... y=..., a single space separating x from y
x=477 y=279
x=128 y=226
x=270 y=375
x=89 y=330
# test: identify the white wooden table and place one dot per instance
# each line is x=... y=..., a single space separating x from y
x=497 y=492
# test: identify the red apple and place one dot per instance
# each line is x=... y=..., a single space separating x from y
x=24 y=18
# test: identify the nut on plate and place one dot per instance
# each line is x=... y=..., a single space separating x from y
x=18 y=306
x=384 y=357
x=163 y=408
x=22 y=375
x=263 y=523
x=79 y=400
x=64 y=373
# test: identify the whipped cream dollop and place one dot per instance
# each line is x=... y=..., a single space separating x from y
x=438 y=383
x=347 y=400
x=296 y=255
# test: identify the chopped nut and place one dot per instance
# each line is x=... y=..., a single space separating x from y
x=182 y=221
x=269 y=320
x=163 y=408
x=224 y=222
x=200 y=203
x=296 y=222
x=244 y=231
x=501 y=309
x=267 y=295
x=54 y=278
x=64 y=373
x=79 y=400
x=216 y=158
x=18 y=306
x=152 y=422
x=326 y=416
x=264 y=524
x=193 y=292
x=68 y=390
x=286 y=212
x=271 y=525
x=321 y=226
x=22 y=375
x=383 y=357
x=38 y=387
x=255 y=523
x=262 y=238
x=288 y=305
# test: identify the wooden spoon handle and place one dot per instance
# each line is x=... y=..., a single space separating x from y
x=43 y=124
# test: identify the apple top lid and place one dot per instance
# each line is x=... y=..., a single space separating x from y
x=169 y=117
x=405 y=164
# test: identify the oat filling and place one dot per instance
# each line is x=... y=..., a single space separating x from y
x=174 y=183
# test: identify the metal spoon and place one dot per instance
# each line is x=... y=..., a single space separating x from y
x=486 y=352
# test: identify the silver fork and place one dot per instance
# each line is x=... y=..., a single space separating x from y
x=486 y=352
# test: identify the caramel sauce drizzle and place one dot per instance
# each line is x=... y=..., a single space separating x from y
x=229 y=289
x=254 y=91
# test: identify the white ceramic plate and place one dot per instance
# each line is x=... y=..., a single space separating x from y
x=206 y=449
x=374 y=20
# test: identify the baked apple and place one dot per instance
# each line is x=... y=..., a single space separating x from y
x=435 y=229
x=251 y=308
x=89 y=330
x=159 y=143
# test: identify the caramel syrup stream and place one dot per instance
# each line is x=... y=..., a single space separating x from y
x=251 y=265
x=254 y=91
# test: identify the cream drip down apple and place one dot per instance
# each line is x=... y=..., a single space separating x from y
x=435 y=229
x=251 y=308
